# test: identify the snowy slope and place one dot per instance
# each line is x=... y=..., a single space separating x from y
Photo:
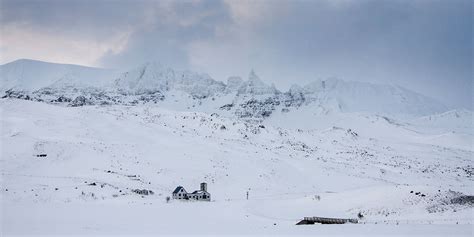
x=31 y=75
x=331 y=148
x=456 y=121
x=367 y=97
x=289 y=173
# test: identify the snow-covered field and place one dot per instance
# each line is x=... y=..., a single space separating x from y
x=401 y=175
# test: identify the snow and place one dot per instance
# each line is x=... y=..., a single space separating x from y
x=30 y=75
x=332 y=148
x=367 y=97
x=255 y=87
x=285 y=170
x=456 y=121
x=149 y=219
x=155 y=77
x=42 y=81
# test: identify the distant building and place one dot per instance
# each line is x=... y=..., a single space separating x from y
x=200 y=195
x=180 y=193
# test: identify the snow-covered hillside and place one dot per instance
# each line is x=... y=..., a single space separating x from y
x=32 y=75
x=457 y=121
x=74 y=152
x=97 y=156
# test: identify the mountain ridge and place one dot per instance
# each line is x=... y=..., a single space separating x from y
x=251 y=98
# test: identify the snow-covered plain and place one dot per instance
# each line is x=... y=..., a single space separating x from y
x=327 y=149
x=120 y=148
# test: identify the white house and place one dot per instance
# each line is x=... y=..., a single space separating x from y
x=200 y=195
x=180 y=193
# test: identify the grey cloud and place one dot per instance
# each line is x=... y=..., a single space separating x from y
x=424 y=45
x=166 y=37
x=74 y=17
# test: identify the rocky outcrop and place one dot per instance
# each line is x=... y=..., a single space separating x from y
x=79 y=101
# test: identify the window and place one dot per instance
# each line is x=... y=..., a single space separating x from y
x=179 y=194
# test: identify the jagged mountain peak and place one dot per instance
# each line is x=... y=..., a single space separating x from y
x=156 y=77
x=50 y=82
x=253 y=76
x=255 y=81
x=149 y=76
x=255 y=86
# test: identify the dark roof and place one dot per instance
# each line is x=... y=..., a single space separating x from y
x=177 y=189
x=199 y=191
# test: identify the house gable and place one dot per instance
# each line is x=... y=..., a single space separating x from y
x=178 y=189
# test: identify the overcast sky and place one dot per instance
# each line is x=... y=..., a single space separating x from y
x=422 y=45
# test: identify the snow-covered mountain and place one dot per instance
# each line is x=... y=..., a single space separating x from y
x=153 y=77
x=32 y=75
x=366 y=97
x=185 y=90
x=331 y=148
x=318 y=105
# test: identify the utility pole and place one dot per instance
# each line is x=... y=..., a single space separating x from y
x=247 y=195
